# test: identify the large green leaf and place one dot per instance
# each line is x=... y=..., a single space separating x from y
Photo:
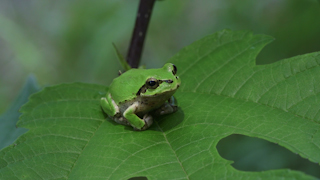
x=223 y=92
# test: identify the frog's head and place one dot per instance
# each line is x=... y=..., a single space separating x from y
x=161 y=81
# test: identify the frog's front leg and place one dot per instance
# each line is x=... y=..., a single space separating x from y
x=136 y=122
x=168 y=107
x=109 y=106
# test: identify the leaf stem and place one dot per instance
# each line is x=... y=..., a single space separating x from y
x=139 y=32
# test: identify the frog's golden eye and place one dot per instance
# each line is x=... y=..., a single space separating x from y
x=174 y=71
x=152 y=83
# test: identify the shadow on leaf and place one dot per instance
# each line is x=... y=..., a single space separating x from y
x=161 y=123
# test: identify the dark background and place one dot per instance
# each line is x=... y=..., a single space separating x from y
x=66 y=41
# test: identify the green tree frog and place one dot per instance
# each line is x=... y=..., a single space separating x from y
x=136 y=94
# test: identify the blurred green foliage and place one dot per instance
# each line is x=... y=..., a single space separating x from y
x=9 y=132
x=67 y=41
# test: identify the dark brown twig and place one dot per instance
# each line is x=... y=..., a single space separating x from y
x=139 y=32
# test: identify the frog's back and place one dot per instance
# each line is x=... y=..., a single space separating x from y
x=126 y=86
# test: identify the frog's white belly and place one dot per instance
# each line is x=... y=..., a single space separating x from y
x=146 y=104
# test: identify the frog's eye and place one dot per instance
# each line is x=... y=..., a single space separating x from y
x=152 y=83
x=174 y=71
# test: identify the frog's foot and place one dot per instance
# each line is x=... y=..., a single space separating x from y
x=148 y=120
x=166 y=108
x=135 y=121
x=109 y=106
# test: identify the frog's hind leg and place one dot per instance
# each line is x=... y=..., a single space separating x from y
x=136 y=122
x=109 y=106
x=168 y=107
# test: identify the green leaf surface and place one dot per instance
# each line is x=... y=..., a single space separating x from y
x=8 y=130
x=223 y=92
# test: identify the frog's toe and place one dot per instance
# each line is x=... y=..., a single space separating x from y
x=148 y=120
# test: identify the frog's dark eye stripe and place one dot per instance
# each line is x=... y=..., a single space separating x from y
x=142 y=90
x=174 y=71
x=151 y=83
